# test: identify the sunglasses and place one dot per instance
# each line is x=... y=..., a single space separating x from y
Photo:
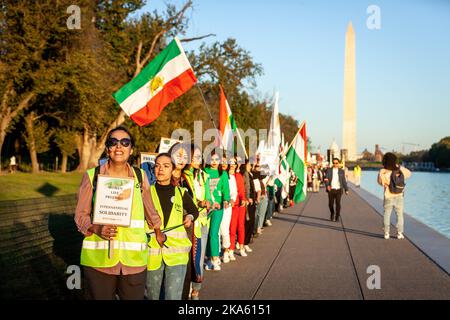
x=113 y=142
x=335 y=162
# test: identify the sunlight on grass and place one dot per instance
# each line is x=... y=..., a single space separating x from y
x=26 y=185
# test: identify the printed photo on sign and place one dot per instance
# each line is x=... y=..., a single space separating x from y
x=113 y=201
x=166 y=143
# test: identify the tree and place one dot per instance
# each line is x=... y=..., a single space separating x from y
x=130 y=45
x=440 y=153
x=65 y=139
x=37 y=138
x=31 y=45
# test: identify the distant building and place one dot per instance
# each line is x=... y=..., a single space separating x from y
x=333 y=152
x=367 y=155
x=344 y=155
x=420 y=166
x=378 y=153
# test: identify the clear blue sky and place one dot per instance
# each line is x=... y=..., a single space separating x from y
x=402 y=70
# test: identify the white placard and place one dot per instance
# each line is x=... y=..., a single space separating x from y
x=166 y=143
x=148 y=157
x=113 y=201
x=257 y=185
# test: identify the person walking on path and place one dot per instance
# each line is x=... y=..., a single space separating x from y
x=167 y=264
x=392 y=177
x=335 y=183
x=12 y=164
x=238 y=215
x=124 y=271
x=357 y=175
x=220 y=194
x=316 y=179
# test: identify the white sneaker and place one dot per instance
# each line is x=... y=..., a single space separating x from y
x=247 y=248
x=208 y=265
x=386 y=235
x=226 y=257
x=268 y=223
x=216 y=264
x=232 y=257
x=400 y=235
x=242 y=253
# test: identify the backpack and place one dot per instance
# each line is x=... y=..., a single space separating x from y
x=397 y=182
x=137 y=171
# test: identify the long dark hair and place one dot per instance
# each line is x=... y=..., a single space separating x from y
x=214 y=152
x=177 y=146
x=390 y=161
x=193 y=147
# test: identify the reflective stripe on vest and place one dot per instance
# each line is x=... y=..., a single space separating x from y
x=103 y=245
x=178 y=243
x=130 y=243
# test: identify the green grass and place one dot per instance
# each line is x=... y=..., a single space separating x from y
x=26 y=185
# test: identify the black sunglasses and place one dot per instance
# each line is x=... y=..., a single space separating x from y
x=112 y=142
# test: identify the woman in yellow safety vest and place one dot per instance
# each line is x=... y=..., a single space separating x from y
x=169 y=262
x=115 y=258
x=197 y=181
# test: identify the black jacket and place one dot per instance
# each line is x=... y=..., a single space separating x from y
x=342 y=180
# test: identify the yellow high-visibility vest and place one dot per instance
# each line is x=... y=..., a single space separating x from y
x=130 y=244
x=178 y=244
x=202 y=219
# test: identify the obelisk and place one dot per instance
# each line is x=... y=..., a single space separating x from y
x=349 y=125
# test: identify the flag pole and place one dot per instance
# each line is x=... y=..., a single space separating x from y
x=210 y=115
x=242 y=143
x=293 y=140
x=206 y=105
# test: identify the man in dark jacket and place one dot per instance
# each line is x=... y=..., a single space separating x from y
x=335 y=183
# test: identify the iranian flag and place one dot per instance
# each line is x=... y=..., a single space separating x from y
x=296 y=158
x=227 y=125
x=163 y=80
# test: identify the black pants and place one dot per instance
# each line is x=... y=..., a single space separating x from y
x=250 y=223
x=190 y=271
x=102 y=286
x=334 y=195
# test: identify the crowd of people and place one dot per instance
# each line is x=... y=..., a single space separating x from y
x=196 y=214
x=199 y=215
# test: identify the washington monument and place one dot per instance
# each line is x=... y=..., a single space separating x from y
x=349 y=125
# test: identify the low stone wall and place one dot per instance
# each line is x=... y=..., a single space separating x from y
x=38 y=240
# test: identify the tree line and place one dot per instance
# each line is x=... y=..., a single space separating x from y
x=56 y=84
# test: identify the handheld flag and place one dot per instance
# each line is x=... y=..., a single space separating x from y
x=164 y=79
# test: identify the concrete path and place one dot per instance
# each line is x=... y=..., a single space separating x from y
x=306 y=256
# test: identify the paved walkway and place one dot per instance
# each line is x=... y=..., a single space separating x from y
x=306 y=256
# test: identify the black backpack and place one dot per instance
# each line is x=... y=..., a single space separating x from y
x=397 y=182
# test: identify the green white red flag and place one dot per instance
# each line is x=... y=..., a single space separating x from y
x=296 y=158
x=164 y=79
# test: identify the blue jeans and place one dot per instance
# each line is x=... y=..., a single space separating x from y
x=200 y=259
x=261 y=212
x=270 y=209
x=173 y=282
x=397 y=204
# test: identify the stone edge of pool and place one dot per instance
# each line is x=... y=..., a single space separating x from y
x=431 y=242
